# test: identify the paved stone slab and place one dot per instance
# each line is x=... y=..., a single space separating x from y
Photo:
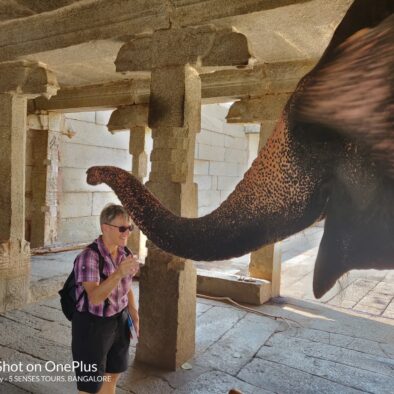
x=279 y=342
x=148 y=385
x=11 y=329
x=202 y=308
x=53 y=302
x=218 y=383
x=24 y=318
x=213 y=324
x=43 y=382
x=49 y=313
x=377 y=300
x=347 y=342
x=42 y=349
x=57 y=333
x=389 y=312
x=311 y=359
x=353 y=293
x=182 y=377
x=142 y=378
x=44 y=266
x=8 y=388
x=238 y=346
x=300 y=289
x=212 y=302
x=5 y=353
x=320 y=317
x=286 y=380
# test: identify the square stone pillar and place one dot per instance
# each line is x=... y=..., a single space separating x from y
x=14 y=250
x=168 y=283
x=139 y=169
x=265 y=263
x=45 y=171
x=18 y=81
x=168 y=328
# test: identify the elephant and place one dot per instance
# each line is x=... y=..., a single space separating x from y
x=331 y=155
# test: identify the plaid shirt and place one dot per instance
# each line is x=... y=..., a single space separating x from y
x=86 y=269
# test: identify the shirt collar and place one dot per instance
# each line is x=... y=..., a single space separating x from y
x=103 y=249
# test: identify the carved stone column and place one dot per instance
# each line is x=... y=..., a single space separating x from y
x=46 y=129
x=18 y=82
x=168 y=283
x=134 y=118
x=265 y=263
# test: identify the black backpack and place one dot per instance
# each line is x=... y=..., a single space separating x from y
x=68 y=299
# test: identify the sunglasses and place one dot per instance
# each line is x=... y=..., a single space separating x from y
x=122 y=229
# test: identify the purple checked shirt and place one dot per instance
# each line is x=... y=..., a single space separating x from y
x=86 y=269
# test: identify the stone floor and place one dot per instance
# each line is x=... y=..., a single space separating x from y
x=343 y=343
x=308 y=348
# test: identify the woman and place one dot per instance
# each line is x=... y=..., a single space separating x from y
x=100 y=332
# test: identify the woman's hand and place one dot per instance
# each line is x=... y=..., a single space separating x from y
x=129 y=266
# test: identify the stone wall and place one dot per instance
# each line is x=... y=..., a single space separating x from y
x=222 y=157
x=79 y=203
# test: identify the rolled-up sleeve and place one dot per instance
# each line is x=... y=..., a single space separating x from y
x=86 y=267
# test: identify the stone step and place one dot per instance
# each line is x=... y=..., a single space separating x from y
x=240 y=289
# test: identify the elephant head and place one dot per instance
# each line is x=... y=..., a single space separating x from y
x=330 y=155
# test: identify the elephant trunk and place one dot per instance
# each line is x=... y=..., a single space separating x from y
x=279 y=195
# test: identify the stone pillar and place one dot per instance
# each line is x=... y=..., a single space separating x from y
x=168 y=328
x=168 y=283
x=44 y=207
x=134 y=118
x=18 y=82
x=265 y=263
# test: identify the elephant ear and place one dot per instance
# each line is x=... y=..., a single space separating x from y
x=352 y=92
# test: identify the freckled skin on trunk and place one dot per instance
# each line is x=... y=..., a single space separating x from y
x=279 y=195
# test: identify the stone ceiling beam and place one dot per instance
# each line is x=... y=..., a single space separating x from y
x=218 y=86
x=30 y=79
x=128 y=117
x=99 y=20
x=258 y=109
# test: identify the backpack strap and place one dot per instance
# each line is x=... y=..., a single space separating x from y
x=83 y=289
x=94 y=246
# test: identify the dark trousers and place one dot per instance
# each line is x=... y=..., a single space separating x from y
x=99 y=344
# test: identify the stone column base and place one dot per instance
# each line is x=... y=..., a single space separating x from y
x=167 y=310
x=14 y=275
